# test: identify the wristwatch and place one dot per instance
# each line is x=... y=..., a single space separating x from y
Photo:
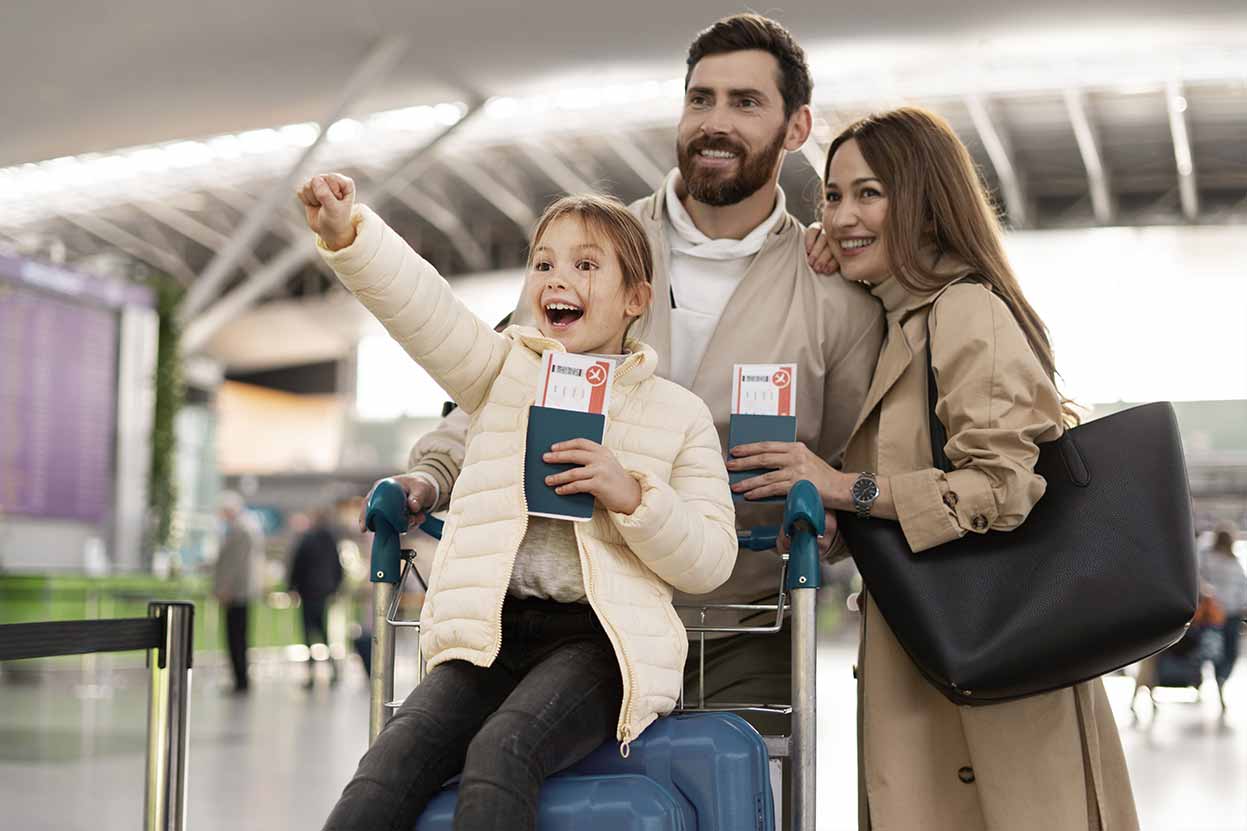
x=865 y=491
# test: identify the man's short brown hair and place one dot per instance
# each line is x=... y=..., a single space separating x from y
x=741 y=32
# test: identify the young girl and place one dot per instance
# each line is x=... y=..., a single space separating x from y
x=543 y=637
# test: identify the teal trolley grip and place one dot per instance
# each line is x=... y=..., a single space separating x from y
x=805 y=522
x=387 y=519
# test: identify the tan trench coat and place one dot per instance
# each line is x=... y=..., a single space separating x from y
x=1052 y=762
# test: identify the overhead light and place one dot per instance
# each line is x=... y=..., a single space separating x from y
x=408 y=118
x=260 y=141
x=345 y=129
x=301 y=135
x=501 y=107
x=188 y=154
x=449 y=114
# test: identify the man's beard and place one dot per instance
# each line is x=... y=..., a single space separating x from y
x=715 y=188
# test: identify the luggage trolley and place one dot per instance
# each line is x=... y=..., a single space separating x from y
x=799 y=581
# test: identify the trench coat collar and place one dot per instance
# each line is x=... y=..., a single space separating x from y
x=904 y=342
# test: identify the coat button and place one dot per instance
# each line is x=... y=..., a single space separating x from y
x=979 y=522
x=966 y=775
x=950 y=499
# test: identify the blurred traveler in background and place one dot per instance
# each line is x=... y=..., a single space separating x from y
x=315 y=576
x=1224 y=575
x=236 y=580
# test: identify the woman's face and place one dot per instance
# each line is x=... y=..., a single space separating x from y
x=853 y=216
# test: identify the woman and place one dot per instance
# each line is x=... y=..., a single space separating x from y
x=907 y=215
x=1222 y=571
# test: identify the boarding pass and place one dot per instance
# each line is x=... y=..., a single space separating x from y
x=581 y=383
x=764 y=389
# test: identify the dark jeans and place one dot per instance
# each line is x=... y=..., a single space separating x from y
x=315 y=612
x=1231 y=633
x=236 y=638
x=550 y=698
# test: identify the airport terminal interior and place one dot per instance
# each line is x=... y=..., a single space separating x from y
x=190 y=396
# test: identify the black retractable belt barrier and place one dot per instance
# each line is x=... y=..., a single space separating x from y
x=78 y=637
x=168 y=629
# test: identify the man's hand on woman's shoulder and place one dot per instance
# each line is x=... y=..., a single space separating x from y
x=819 y=252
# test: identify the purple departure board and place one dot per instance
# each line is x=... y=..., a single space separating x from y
x=58 y=376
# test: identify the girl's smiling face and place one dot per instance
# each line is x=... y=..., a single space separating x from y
x=576 y=289
x=853 y=215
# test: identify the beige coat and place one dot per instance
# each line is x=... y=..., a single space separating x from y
x=781 y=311
x=1051 y=762
x=682 y=535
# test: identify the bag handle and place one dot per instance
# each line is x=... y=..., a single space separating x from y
x=1075 y=466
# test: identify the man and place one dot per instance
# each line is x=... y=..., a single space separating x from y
x=732 y=285
x=234 y=581
x=316 y=575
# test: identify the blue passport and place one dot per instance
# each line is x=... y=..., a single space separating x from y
x=548 y=426
x=747 y=429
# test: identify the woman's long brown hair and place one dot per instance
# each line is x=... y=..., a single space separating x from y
x=936 y=197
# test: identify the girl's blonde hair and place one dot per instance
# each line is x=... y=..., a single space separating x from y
x=935 y=195
x=609 y=217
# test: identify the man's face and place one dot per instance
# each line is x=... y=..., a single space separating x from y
x=733 y=130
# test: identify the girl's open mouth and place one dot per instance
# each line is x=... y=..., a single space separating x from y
x=563 y=315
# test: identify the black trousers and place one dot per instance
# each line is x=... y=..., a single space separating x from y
x=550 y=698
x=315 y=612
x=236 y=639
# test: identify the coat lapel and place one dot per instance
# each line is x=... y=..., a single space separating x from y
x=748 y=301
x=655 y=327
x=894 y=359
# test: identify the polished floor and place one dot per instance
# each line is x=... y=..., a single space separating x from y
x=72 y=750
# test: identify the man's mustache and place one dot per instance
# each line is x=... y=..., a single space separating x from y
x=697 y=145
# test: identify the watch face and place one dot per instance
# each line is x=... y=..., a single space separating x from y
x=865 y=490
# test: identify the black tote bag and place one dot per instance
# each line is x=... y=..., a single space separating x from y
x=1101 y=574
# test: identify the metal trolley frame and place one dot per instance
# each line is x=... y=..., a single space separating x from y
x=799 y=581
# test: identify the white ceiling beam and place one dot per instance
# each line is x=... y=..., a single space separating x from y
x=374 y=67
x=512 y=206
x=191 y=228
x=635 y=158
x=1089 y=147
x=301 y=251
x=449 y=224
x=1176 y=104
x=140 y=249
x=559 y=172
x=1000 y=152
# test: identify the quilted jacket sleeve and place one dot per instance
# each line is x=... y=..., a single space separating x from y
x=997 y=406
x=419 y=310
x=685 y=529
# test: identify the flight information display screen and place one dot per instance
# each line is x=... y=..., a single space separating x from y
x=58 y=377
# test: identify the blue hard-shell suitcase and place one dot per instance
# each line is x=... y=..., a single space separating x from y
x=583 y=803
x=713 y=764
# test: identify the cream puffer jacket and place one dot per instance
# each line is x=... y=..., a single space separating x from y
x=682 y=535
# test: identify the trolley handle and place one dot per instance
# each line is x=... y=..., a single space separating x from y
x=387 y=519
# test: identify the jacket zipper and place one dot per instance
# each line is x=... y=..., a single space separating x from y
x=524 y=532
x=624 y=729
